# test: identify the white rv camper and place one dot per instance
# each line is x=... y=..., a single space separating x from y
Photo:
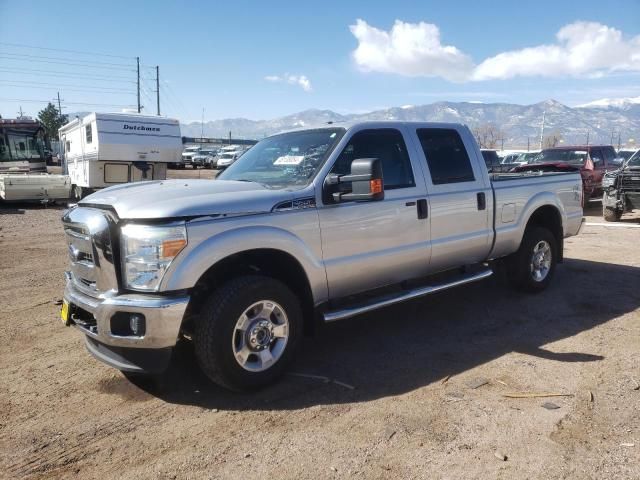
x=104 y=149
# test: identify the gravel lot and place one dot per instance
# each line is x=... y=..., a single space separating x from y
x=393 y=395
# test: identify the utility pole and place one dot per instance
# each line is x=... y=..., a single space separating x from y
x=588 y=138
x=544 y=112
x=229 y=137
x=158 y=88
x=528 y=145
x=138 y=82
x=59 y=105
x=21 y=114
x=611 y=142
x=202 y=127
x=618 y=141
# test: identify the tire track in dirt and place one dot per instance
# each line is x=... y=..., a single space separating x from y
x=65 y=451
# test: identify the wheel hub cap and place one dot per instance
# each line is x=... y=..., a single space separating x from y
x=541 y=261
x=260 y=336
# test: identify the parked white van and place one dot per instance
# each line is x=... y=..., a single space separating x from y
x=104 y=149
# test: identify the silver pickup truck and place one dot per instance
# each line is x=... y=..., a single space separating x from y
x=311 y=225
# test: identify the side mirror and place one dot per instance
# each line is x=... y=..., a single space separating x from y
x=365 y=178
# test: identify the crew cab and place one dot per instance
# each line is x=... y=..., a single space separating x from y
x=311 y=225
x=591 y=160
x=622 y=189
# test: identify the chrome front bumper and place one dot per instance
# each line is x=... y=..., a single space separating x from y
x=163 y=316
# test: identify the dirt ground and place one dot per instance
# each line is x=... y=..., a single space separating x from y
x=393 y=395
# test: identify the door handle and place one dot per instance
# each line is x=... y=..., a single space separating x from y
x=482 y=201
x=423 y=209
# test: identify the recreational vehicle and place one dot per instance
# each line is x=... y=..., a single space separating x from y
x=104 y=149
x=22 y=164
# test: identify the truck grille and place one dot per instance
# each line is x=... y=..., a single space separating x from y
x=88 y=233
x=630 y=181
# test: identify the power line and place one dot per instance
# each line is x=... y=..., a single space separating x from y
x=48 y=84
x=63 y=50
x=77 y=64
x=68 y=103
x=54 y=73
x=70 y=89
x=26 y=55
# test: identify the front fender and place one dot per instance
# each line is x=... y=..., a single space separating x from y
x=196 y=259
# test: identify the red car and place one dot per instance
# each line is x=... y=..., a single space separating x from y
x=592 y=161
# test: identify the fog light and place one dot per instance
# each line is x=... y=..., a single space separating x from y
x=136 y=323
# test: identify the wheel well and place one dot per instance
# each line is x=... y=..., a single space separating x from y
x=549 y=218
x=269 y=262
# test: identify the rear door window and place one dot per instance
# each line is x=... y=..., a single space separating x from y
x=446 y=155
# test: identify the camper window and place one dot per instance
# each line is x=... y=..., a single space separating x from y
x=89 y=133
x=68 y=147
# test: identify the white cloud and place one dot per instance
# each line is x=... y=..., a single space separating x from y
x=583 y=48
x=414 y=49
x=409 y=49
x=300 y=80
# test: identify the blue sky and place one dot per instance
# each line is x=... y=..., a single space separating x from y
x=267 y=59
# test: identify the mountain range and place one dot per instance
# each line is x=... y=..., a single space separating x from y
x=603 y=121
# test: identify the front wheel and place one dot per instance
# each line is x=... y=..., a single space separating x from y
x=611 y=214
x=247 y=332
x=531 y=268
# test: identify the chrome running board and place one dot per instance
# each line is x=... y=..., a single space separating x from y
x=403 y=296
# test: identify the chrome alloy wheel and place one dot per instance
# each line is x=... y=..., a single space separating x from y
x=260 y=336
x=541 y=261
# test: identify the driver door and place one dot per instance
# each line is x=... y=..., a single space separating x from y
x=370 y=244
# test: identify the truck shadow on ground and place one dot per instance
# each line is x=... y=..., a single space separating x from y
x=403 y=348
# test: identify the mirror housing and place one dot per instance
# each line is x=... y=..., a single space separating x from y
x=366 y=181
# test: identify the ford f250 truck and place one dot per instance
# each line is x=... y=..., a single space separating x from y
x=311 y=225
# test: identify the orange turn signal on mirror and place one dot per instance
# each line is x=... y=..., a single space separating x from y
x=375 y=185
x=171 y=248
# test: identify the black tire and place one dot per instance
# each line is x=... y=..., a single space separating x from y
x=611 y=214
x=215 y=327
x=76 y=193
x=519 y=264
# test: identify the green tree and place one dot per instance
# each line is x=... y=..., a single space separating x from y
x=52 y=120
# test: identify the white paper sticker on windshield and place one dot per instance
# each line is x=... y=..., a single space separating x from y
x=289 y=160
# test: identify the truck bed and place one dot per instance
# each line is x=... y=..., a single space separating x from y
x=516 y=195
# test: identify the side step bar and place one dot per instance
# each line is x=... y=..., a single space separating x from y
x=403 y=296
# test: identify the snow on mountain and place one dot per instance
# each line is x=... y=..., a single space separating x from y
x=612 y=102
x=519 y=123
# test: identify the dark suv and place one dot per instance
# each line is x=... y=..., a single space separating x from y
x=592 y=161
x=621 y=189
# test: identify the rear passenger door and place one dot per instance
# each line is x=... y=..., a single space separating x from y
x=460 y=198
x=376 y=243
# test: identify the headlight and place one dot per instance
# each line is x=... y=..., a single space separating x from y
x=147 y=252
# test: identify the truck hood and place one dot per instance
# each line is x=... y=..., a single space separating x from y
x=186 y=198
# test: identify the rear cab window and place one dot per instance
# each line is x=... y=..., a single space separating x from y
x=446 y=156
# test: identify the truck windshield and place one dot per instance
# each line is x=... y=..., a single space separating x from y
x=575 y=157
x=288 y=160
x=634 y=161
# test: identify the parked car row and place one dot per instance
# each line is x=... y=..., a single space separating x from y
x=209 y=157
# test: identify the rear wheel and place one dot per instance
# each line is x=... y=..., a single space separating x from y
x=247 y=332
x=611 y=214
x=77 y=193
x=531 y=268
